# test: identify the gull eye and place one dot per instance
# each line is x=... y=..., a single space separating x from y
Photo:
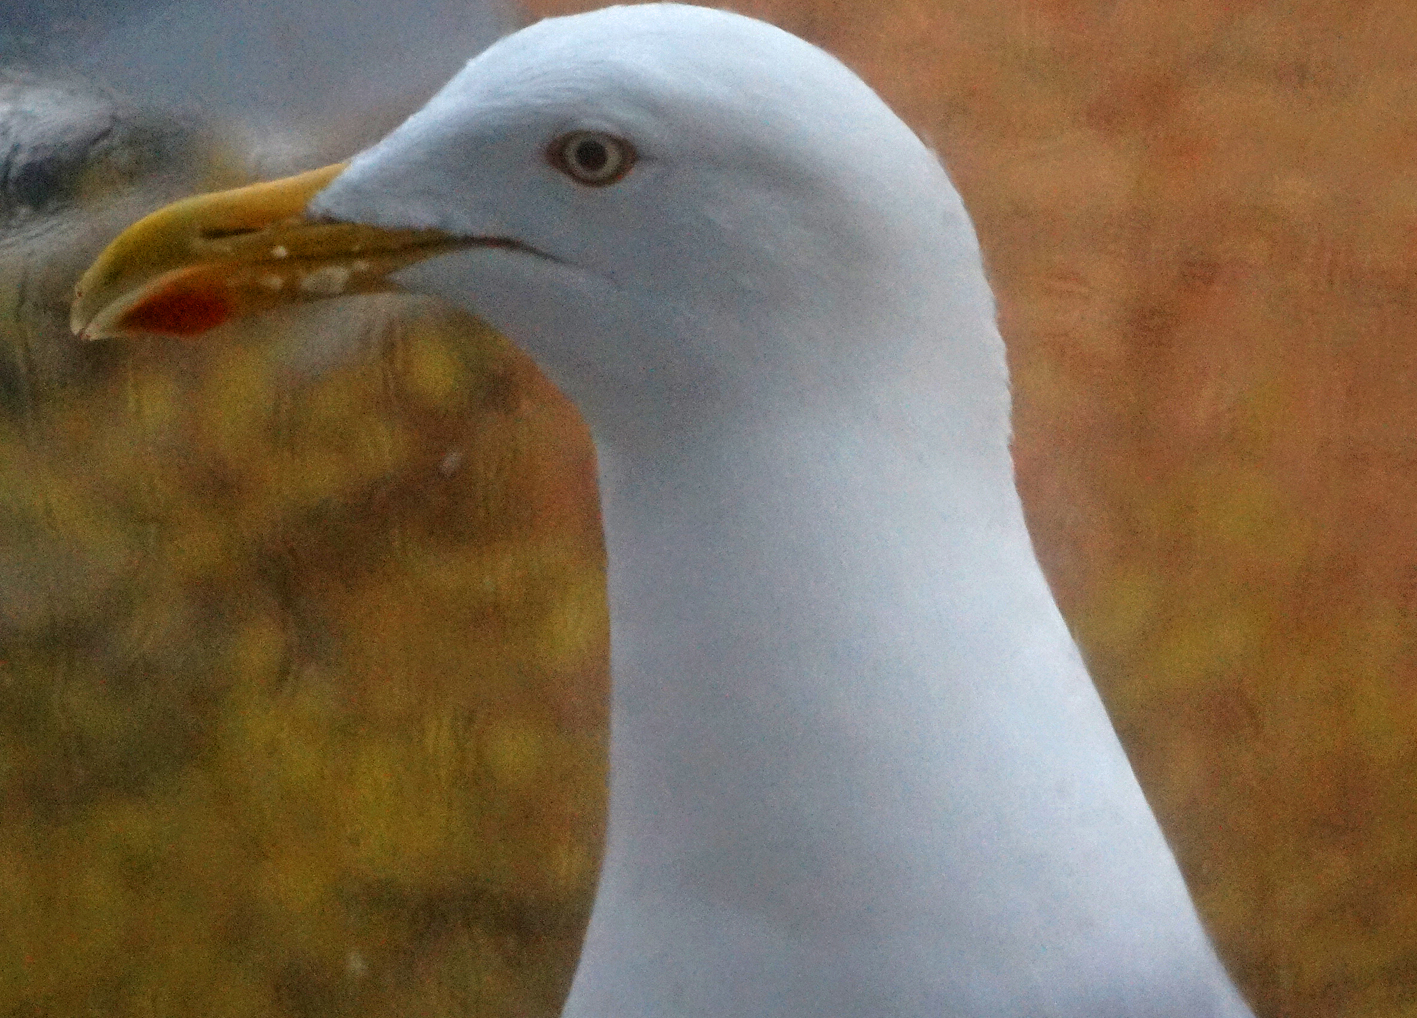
x=592 y=157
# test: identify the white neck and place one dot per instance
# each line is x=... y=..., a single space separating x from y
x=857 y=765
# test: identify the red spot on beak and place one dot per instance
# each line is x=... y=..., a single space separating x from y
x=182 y=309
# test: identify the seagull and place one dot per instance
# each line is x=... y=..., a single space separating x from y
x=858 y=766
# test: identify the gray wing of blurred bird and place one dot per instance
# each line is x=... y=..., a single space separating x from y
x=77 y=163
x=301 y=81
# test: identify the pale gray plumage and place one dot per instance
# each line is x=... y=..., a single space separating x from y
x=282 y=80
x=858 y=767
x=77 y=163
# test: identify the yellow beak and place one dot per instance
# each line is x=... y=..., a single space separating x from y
x=205 y=260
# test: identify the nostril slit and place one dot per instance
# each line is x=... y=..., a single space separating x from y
x=225 y=232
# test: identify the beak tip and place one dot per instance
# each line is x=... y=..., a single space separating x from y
x=84 y=327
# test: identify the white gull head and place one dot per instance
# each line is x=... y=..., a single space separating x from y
x=780 y=230
x=858 y=767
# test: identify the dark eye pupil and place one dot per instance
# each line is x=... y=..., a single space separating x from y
x=591 y=155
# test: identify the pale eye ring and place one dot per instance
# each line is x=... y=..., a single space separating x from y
x=593 y=158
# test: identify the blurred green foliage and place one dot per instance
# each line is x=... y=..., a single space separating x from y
x=303 y=679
